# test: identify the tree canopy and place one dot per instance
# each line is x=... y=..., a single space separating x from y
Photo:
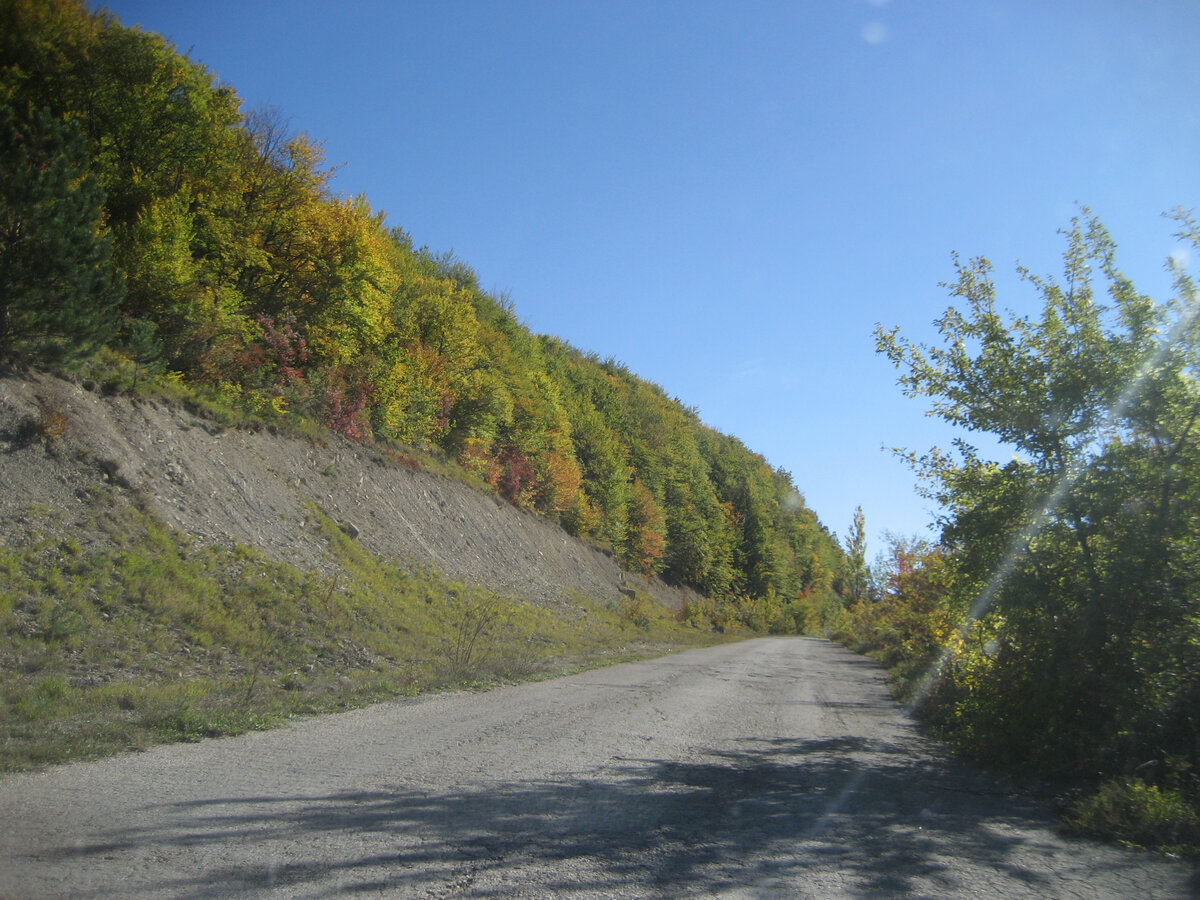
x=1072 y=568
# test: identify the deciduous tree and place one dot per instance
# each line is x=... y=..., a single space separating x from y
x=1076 y=559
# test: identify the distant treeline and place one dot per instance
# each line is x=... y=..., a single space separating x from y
x=147 y=215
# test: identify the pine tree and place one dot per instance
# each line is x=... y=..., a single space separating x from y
x=58 y=290
x=856 y=579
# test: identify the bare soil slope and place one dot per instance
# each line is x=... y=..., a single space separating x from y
x=224 y=486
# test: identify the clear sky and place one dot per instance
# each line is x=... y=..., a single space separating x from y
x=728 y=196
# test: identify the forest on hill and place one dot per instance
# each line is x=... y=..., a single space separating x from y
x=157 y=225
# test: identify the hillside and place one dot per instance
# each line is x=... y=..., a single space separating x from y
x=290 y=462
x=166 y=577
x=157 y=229
x=223 y=487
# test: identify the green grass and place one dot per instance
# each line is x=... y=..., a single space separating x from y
x=126 y=634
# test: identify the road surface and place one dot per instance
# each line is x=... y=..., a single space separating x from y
x=771 y=768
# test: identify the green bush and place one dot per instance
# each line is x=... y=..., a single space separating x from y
x=1137 y=814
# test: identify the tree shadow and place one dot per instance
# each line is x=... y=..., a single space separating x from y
x=883 y=820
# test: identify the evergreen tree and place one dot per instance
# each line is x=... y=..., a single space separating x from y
x=856 y=577
x=58 y=292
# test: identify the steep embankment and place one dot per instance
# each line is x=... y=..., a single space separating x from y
x=224 y=486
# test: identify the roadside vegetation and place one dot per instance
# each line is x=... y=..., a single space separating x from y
x=1054 y=630
x=126 y=634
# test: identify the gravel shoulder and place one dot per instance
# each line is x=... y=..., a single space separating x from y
x=777 y=767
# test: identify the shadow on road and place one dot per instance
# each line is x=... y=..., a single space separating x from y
x=770 y=812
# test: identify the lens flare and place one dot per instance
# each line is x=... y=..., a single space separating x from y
x=1046 y=506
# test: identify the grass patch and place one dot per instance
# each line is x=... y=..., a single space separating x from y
x=127 y=634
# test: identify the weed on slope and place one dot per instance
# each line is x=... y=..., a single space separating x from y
x=124 y=633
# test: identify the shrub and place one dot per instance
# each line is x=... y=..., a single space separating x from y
x=1137 y=814
x=636 y=610
x=52 y=423
x=49 y=426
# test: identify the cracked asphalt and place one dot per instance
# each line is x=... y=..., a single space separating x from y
x=776 y=767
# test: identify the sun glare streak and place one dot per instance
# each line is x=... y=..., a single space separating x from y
x=824 y=821
x=1068 y=480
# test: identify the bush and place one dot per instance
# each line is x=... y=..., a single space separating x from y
x=1137 y=814
x=636 y=610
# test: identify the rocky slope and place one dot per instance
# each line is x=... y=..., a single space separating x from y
x=59 y=441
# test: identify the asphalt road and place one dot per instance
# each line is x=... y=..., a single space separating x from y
x=770 y=768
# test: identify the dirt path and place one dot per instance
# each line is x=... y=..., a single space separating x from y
x=771 y=768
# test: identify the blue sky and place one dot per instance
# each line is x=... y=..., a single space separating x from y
x=728 y=196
